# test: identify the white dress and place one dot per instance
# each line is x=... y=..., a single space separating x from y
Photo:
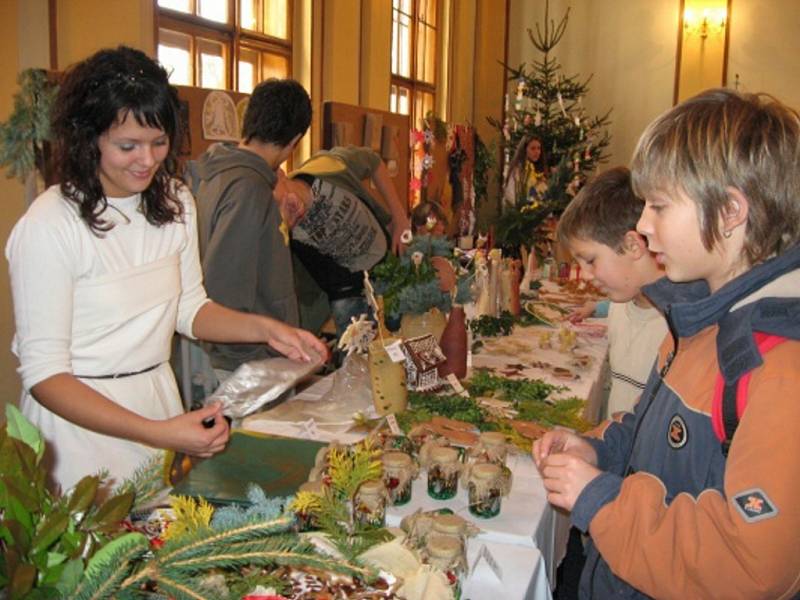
x=101 y=305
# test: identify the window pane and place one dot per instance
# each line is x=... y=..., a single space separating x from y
x=175 y=53
x=248 y=70
x=398 y=99
x=276 y=21
x=426 y=12
x=426 y=52
x=248 y=14
x=213 y=10
x=401 y=44
x=180 y=5
x=423 y=104
x=212 y=64
x=274 y=65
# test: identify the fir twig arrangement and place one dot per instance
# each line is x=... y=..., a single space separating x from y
x=547 y=106
x=24 y=135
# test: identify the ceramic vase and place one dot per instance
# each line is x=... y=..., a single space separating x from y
x=454 y=344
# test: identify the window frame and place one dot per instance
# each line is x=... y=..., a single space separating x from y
x=231 y=34
x=415 y=85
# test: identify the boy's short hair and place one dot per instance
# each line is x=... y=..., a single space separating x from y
x=721 y=139
x=423 y=210
x=277 y=111
x=604 y=210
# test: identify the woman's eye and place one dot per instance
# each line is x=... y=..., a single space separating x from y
x=126 y=147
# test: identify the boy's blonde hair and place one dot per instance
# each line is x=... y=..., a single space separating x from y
x=721 y=139
x=604 y=210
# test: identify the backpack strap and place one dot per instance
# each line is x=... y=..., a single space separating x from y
x=730 y=399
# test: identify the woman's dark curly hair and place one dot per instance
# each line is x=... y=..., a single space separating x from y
x=95 y=94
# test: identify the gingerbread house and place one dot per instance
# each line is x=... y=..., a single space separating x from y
x=423 y=356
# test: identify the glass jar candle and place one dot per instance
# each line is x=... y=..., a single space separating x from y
x=307 y=521
x=486 y=487
x=399 y=471
x=369 y=504
x=446 y=554
x=491 y=447
x=443 y=470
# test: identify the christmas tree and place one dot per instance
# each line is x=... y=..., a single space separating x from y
x=547 y=106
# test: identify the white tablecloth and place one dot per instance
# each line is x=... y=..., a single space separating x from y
x=522 y=574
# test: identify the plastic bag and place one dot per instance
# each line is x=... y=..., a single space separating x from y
x=259 y=383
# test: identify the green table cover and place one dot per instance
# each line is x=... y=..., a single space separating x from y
x=278 y=465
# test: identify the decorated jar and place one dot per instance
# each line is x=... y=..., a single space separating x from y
x=447 y=554
x=491 y=447
x=486 y=487
x=443 y=470
x=305 y=520
x=369 y=504
x=450 y=525
x=399 y=471
x=391 y=442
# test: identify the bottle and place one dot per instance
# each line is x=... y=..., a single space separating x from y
x=443 y=472
x=399 y=471
x=454 y=344
x=369 y=504
x=445 y=553
x=486 y=487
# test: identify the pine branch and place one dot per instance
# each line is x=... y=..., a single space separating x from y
x=110 y=566
x=187 y=547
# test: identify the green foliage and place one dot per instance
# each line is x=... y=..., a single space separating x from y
x=485 y=163
x=23 y=135
x=74 y=547
x=531 y=398
x=489 y=326
x=410 y=288
x=44 y=537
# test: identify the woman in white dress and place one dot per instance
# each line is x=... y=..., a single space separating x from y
x=104 y=269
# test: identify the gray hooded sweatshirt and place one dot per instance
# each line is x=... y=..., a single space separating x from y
x=246 y=263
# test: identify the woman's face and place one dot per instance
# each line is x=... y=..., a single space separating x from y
x=534 y=150
x=130 y=155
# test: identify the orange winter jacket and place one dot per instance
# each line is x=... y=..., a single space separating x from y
x=672 y=518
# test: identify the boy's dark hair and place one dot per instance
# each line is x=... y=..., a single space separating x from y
x=278 y=110
x=97 y=93
x=724 y=139
x=603 y=211
x=421 y=212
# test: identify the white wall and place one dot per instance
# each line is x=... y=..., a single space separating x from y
x=629 y=46
x=765 y=48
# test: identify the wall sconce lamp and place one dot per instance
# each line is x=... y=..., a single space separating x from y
x=709 y=20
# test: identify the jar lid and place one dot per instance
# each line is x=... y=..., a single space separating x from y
x=443 y=546
x=396 y=459
x=486 y=471
x=493 y=438
x=373 y=487
x=444 y=454
x=315 y=487
x=448 y=524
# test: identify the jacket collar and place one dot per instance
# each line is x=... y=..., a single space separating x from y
x=690 y=308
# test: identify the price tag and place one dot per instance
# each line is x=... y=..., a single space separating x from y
x=456 y=384
x=308 y=430
x=395 y=351
x=393 y=426
x=485 y=554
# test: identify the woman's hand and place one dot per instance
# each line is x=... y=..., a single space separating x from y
x=561 y=441
x=294 y=343
x=187 y=433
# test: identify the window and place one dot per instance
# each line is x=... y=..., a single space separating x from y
x=414 y=31
x=224 y=44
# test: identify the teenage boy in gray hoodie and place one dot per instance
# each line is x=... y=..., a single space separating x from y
x=246 y=260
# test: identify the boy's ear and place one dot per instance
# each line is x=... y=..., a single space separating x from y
x=735 y=211
x=634 y=244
